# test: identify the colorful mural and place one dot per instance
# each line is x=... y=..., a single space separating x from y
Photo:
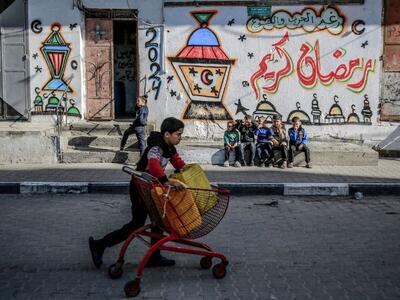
x=291 y=63
x=55 y=93
x=203 y=69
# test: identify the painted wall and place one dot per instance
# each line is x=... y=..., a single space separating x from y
x=55 y=55
x=316 y=62
x=56 y=52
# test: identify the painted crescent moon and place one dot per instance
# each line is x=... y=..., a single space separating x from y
x=355 y=25
x=205 y=77
x=36 y=26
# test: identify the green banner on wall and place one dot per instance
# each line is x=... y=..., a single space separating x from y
x=259 y=11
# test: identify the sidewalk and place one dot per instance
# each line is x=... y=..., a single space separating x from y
x=109 y=178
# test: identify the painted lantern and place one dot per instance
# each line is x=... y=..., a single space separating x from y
x=203 y=69
x=56 y=52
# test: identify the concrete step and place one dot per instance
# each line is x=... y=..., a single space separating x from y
x=205 y=152
x=109 y=128
x=322 y=153
x=100 y=155
x=99 y=141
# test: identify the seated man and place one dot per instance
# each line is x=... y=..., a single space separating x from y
x=247 y=129
x=279 y=140
x=231 y=143
x=298 y=141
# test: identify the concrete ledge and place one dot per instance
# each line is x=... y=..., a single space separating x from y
x=252 y=188
x=316 y=189
x=9 y=188
x=287 y=189
x=53 y=187
x=375 y=189
x=108 y=188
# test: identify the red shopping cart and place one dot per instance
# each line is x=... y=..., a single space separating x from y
x=183 y=216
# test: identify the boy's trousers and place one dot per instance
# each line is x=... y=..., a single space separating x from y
x=282 y=147
x=237 y=153
x=140 y=135
x=139 y=215
x=252 y=147
x=301 y=147
x=263 y=150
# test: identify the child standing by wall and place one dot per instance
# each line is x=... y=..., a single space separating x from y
x=298 y=141
x=231 y=143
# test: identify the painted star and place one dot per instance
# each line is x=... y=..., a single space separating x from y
x=72 y=26
x=170 y=78
x=35 y=55
x=219 y=72
x=242 y=38
x=231 y=22
x=172 y=93
x=214 y=90
x=38 y=69
x=192 y=71
x=240 y=108
x=363 y=45
x=197 y=88
x=250 y=55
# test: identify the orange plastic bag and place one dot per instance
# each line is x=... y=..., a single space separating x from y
x=179 y=208
x=193 y=176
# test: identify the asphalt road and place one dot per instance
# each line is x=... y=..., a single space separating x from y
x=301 y=248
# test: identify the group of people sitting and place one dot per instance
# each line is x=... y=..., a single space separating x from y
x=263 y=140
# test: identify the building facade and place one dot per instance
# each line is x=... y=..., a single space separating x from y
x=331 y=63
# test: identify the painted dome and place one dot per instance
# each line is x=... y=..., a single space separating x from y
x=335 y=110
x=203 y=37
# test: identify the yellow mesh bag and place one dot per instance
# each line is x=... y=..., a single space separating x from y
x=193 y=176
x=180 y=209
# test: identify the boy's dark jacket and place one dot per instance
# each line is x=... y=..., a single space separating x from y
x=247 y=134
x=141 y=116
x=155 y=166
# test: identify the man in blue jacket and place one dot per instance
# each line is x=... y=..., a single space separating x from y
x=138 y=125
x=298 y=141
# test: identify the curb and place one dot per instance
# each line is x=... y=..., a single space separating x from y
x=286 y=189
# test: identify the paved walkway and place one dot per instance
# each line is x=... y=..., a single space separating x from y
x=299 y=249
x=387 y=171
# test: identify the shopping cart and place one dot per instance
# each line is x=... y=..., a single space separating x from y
x=180 y=219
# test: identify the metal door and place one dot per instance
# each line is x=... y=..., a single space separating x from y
x=99 y=66
x=13 y=66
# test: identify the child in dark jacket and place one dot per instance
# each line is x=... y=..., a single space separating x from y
x=138 y=125
x=160 y=150
x=298 y=141
x=264 y=142
x=247 y=129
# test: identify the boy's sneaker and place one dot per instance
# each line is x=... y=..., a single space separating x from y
x=237 y=164
x=243 y=163
x=96 y=252
x=290 y=165
x=226 y=163
x=308 y=166
x=251 y=164
x=283 y=165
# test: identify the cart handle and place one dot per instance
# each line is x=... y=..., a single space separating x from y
x=143 y=175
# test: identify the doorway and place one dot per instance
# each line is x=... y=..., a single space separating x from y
x=125 y=68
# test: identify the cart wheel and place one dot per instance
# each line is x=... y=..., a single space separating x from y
x=206 y=262
x=115 y=271
x=132 y=288
x=219 y=271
